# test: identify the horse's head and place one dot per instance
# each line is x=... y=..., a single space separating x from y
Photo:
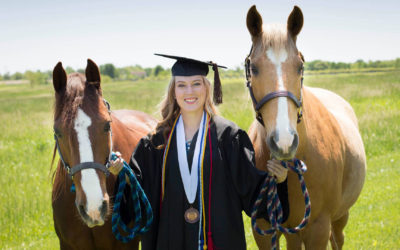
x=274 y=68
x=82 y=128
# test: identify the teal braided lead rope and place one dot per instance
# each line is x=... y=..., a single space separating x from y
x=274 y=208
x=139 y=198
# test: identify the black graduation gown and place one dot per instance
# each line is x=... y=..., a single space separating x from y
x=235 y=186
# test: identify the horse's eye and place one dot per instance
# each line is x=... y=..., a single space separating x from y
x=57 y=133
x=107 y=127
x=253 y=69
x=300 y=69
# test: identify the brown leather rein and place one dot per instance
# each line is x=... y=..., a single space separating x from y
x=280 y=93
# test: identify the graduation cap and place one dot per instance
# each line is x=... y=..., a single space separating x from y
x=190 y=67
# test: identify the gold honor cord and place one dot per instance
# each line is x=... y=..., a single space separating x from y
x=202 y=182
x=165 y=158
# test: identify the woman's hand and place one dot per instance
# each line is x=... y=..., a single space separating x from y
x=275 y=168
x=117 y=165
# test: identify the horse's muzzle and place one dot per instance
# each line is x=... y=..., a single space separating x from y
x=94 y=217
x=280 y=149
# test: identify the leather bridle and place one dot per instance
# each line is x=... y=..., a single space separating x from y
x=280 y=93
x=87 y=165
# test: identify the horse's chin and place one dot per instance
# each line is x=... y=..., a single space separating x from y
x=90 y=221
x=283 y=157
x=91 y=225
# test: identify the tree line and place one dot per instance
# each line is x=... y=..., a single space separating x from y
x=108 y=73
x=133 y=73
x=359 y=64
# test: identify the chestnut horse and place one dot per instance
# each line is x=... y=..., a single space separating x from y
x=326 y=137
x=82 y=126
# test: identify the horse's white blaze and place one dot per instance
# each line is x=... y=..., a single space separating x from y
x=90 y=181
x=285 y=138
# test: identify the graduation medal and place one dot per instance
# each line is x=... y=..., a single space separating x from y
x=192 y=215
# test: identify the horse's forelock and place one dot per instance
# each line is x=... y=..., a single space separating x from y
x=274 y=36
x=68 y=102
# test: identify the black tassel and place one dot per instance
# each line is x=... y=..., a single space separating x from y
x=217 y=85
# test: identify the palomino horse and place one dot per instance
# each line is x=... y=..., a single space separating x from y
x=82 y=128
x=326 y=138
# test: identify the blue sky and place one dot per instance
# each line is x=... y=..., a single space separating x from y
x=37 y=34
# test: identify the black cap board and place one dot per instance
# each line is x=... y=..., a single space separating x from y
x=190 y=67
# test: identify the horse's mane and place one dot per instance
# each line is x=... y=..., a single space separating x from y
x=58 y=178
x=68 y=101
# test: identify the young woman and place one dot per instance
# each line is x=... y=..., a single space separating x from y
x=198 y=168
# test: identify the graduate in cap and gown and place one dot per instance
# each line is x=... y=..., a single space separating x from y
x=197 y=168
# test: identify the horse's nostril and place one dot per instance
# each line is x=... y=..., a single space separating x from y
x=104 y=209
x=295 y=143
x=272 y=143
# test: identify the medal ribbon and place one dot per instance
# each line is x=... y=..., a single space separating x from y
x=190 y=179
x=166 y=150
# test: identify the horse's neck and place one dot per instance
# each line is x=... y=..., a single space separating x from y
x=317 y=124
x=314 y=112
x=311 y=108
x=124 y=137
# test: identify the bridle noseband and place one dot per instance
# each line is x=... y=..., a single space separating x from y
x=87 y=165
x=280 y=93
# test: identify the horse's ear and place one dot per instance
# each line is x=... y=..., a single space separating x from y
x=295 y=22
x=254 y=21
x=59 y=78
x=92 y=74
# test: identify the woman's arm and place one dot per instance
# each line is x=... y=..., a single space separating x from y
x=247 y=179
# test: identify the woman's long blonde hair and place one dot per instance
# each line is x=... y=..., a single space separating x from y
x=170 y=109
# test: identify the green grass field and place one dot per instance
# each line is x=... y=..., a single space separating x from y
x=26 y=145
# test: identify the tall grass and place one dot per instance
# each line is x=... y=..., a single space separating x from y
x=26 y=145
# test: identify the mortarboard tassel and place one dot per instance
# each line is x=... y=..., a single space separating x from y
x=217 y=85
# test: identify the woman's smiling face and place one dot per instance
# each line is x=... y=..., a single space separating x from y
x=190 y=93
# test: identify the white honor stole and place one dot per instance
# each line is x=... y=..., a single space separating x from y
x=189 y=180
